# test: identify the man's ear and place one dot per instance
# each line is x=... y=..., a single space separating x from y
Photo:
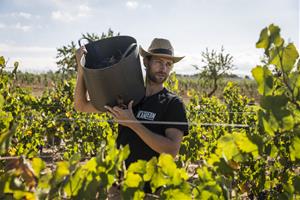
x=146 y=61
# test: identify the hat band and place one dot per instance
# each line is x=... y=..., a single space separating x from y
x=162 y=51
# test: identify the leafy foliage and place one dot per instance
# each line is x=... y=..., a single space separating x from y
x=217 y=160
x=217 y=64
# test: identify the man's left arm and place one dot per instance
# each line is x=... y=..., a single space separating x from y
x=162 y=144
x=170 y=143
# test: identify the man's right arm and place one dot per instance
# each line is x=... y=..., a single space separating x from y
x=81 y=103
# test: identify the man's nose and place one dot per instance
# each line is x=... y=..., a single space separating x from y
x=164 y=66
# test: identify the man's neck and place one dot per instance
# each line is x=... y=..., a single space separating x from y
x=153 y=88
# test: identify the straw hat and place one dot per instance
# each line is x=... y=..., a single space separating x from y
x=162 y=48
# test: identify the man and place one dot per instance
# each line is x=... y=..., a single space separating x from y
x=148 y=139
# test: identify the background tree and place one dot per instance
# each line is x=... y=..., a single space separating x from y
x=66 y=54
x=217 y=64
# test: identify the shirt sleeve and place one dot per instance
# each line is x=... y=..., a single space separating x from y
x=176 y=113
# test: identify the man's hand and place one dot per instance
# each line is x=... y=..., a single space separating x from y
x=125 y=116
x=79 y=53
x=82 y=50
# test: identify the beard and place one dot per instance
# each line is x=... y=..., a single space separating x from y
x=158 y=77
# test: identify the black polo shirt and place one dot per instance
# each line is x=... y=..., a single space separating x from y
x=162 y=106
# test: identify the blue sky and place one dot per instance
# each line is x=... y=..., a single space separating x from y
x=31 y=30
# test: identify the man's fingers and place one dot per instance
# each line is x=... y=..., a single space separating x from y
x=83 y=49
x=112 y=111
x=130 y=105
x=117 y=109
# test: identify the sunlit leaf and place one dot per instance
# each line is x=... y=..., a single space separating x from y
x=158 y=180
x=62 y=170
x=167 y=164
x=138 y=167
x=295 y=149
x=138 y=195
x=288 y=122
x=24 y=195
x=2 y=61
x=37 y=165
x=75 y=182
x=289 y=57
x=263 y=41
x=132 y=180
x=177 y=194
x=150 y=169
x=275 y=35
x=227 y=147
x=264 y=79
x=245 y=144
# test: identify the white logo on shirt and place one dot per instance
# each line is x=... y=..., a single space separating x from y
x=146 y=115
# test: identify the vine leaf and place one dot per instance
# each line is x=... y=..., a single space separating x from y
x=264 y=79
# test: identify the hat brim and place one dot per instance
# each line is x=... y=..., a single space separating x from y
x=145 y=53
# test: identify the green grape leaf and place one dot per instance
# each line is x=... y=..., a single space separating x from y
x=263 y=41
x=124 y=153
x=296 y=183
x=132 y=180
x=167 y=164
x=75 y=158
x=274 y=151
x=276 y=104
x=5 y=139
x=61 y=171
x=268 y=127
x=288 y=122
x=227 y=147
x=18 y=194
x=275 y=35
x=1 y=103
x=245 y=144
x=179 y=176
x=294 y=82
x=258 y=141
x=284 y=58
x=177 y=194
x=37 y=165
x=204 y=174
x=138 y=195
x=75 y=182
x=158 y=180
x=150 y=169
x=264 y=79
x=138 y=167
x=289 y=57
x=278 y=114
x=91 y=165
x=275 y=57
x=2 y=61
x=295 y=149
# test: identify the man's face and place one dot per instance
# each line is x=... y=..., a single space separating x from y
x=159 y=69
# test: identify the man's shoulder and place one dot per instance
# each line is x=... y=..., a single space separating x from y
x=172 y=96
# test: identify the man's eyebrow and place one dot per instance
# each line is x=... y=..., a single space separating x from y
x=168 y=61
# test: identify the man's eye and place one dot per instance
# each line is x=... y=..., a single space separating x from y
x=157 y=62
x=169 y=64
